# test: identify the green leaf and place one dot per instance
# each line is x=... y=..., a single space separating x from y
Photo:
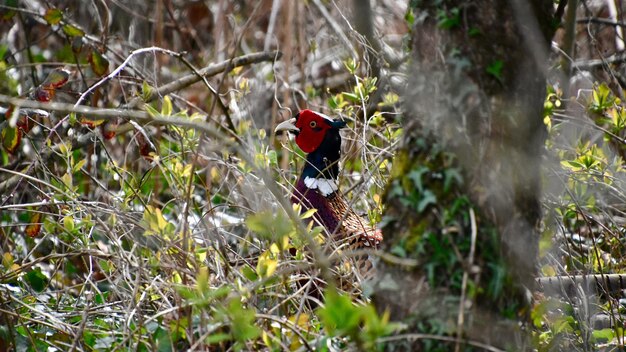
x=339 y=315
x=272 y=157
x=89 y=338
x=428 y=198
x=416 y=176
x=604 y=334
x=53 y=16
x=163 y=340
x=36 y=279
x=56 y=79
x=3 y=51
x=99 y=64
x=495 y=69
x=202 y=280
x=351 y=65
x=332 y=102
x=307 y=214
x=449 y=20
x=351 y=96
x=409 y=17
x=451 y=177
x=72 y=31
x=154 y=221
x=473 y=32
x=243 y=327
x=166 y=106
x=267 y=264
x=101 y=298
x=68 y=223
x=376 y=326
x=249 y=273
x=146 y=91
x=270 y=226
x=601 y=98
x=11 y=137
x=572 y=164
x=216 y=338
x=151 y=111
x=79 y=165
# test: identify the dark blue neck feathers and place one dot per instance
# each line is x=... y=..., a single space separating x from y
x=324 y=161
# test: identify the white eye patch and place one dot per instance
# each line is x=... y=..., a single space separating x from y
x=324 y=185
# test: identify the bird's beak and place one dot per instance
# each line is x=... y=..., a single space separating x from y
x=288 y=125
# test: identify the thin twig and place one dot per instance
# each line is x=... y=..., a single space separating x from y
x=208 y=71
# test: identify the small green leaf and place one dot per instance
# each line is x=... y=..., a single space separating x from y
x=11 y=137
x=99 y=64
x=339 y=315
x=56 y=79
x=68 y=223
x=53 y=16
x=146 y=91
x=604 y=334
x=249 y=273
x=79 y=165
x=166 y=106
x=332 y=102
x=89 y=338
x=495 y=69
x=473 y=32
x=428 y=198
x=451 y=177
x=242 y=326
x=36 y=279
x=101 y=298
x=272 y=157
x=307 y=214
x=153 y=221
x=216 y=338
x=151 y=111
x=416 y=176
x=351 y=65
x=73 y=119
x=450 y=19
x=351 y=96
x=3 y=51
x=202 y=280
x=267 y=264
x=409 y=17
x=572 y=164
x=73 y=31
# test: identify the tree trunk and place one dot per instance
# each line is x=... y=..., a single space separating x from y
x=464 y=194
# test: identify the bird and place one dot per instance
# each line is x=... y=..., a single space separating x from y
x=318 y=188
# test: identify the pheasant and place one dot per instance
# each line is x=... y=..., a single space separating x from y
x=317 y=187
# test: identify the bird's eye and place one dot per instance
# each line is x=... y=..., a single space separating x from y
x=313 y=124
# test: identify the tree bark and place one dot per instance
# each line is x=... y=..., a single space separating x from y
x=473 y=141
